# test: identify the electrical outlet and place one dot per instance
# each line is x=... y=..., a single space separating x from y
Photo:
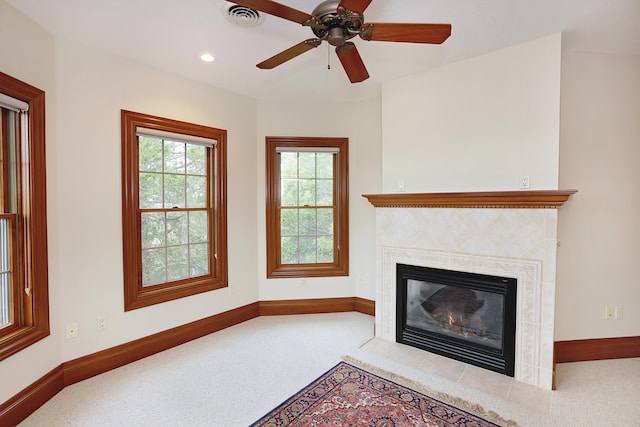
x=608 y=312
x=524 y=181
x=72 y=330
x=102 y=323
x=401 y=186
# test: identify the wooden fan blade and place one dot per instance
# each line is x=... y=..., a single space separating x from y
x=288 y=54
x=352 y=62
x=408 y=33
x=355 y=5
x=276 y=9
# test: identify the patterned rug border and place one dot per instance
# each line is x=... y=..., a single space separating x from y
x=459 y=403
x=291 y=403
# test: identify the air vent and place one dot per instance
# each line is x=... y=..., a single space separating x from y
x=242 y=15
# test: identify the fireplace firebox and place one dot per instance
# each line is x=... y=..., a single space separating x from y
x=465 y=316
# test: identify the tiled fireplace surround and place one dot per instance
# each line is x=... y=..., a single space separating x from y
x=486 y=233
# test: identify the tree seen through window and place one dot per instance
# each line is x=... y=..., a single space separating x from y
x=307 y=207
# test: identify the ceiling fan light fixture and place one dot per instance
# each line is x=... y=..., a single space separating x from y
x=337 y=36
x=336 y=22
x=242 y=15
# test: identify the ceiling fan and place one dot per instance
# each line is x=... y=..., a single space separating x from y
x=337 y=21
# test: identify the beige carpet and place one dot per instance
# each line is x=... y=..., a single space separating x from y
x=235 y=376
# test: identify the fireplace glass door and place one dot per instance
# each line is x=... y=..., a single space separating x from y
x=468 y=317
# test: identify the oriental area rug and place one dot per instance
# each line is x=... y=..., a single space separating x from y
x=350 y=396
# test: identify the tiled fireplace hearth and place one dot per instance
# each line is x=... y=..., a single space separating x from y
x=510 y=234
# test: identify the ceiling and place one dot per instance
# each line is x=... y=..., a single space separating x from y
x=170 y=35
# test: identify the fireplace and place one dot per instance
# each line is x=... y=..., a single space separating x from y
x=504 y=234
x=465 y=316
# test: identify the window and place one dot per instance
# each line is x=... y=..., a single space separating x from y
x=307 y=207
x=174 y=209
x=24 y=294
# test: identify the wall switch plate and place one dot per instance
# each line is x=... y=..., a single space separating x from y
x=617 y=312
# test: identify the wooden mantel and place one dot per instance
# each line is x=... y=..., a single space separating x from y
x=485 y=199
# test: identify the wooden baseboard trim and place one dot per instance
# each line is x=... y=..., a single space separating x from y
x=596 y=349
x=31 y=398
x=23 y=404
x=311 y=306
x=365 y=306
x=115 y=357
x=305 y=306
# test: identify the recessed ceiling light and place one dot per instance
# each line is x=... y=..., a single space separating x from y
x=207 y=57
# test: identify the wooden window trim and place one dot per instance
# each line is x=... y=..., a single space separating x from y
x=135 y=295
x=340 y=267
x=32 y=320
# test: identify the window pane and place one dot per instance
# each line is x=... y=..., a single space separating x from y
x=153 y=266
x=288 y=165
x=177 y=254
x=196 y=159
x=325 y=249
x=177 y=263
x=9 y=162
x=307 y=250
x=307 y=192
x=150 y=154
x=174 y=157
x=289 y=250
x=307 y=165
x=23 y=196
x=5 y=275
x=324 y=165
x=308 y=222
x=305 y=204
x=5 y=300
x=198 y=227
x=4 y=244
x=174 y=191
x=199 y=259
x=325 y=221
x=152 y=229
x=324 y=192
x=176 y=228
x=289 y=222
x=196 y=191
x=150 y=190
x=289 y=190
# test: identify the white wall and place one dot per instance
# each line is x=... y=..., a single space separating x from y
x=599 y=228
x=366 y=178
x=93 y=87
x=27 y=53
x=474 y=125
x=85 y=90
x=360 y=122
x=477 y=124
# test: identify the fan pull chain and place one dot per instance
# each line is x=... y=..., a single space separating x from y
x=328 y=57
